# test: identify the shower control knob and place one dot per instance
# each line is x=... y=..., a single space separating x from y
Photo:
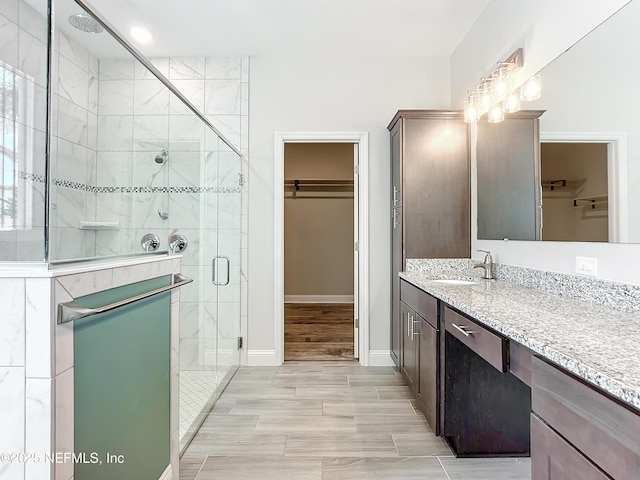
x=178 y=243
x=150 y=242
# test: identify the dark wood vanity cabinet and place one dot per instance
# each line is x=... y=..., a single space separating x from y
x=419 y=316
x=430 y=196
x=578 y=431
x=409 y=345
x=485 y=408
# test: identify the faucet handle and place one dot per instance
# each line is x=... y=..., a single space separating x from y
x=487 y=257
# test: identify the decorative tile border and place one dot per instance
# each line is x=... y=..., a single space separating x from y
x=620 y=296
x=34 y=177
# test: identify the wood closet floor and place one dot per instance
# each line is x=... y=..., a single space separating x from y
x=318 y=331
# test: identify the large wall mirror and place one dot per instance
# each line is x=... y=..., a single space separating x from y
x=582 y=182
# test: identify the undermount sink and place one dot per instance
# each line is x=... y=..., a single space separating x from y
x=454 y=281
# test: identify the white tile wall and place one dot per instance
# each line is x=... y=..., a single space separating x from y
x=12 y=419
x=12 y=325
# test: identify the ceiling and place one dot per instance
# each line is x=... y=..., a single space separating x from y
x=289 y=27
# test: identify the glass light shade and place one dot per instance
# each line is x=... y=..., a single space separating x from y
x=485 y=96
x=532 y=89
x=512 y=103
x=500 y=84
x=470 y=110
x=496 y=114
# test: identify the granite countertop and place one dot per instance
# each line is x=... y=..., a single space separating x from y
x=598 y=344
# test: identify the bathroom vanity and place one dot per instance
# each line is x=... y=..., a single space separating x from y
x=520 y=370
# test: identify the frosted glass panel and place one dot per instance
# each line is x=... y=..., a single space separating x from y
x=121 y=382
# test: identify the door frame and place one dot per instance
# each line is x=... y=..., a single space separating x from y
x=616 y=174
x=362 y=140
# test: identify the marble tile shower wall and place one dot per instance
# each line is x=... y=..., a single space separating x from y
x=73 y=148
x=23 y=56
x=197 y=187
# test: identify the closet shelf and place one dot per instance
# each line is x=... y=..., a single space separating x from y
x=591 y=201
x=562 y=187
x=328 y=187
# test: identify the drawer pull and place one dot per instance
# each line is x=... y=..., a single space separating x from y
x=461 y=329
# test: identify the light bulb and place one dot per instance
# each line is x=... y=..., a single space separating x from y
x=499 y=83
x=512 y=103
x=470 y=109
x=532 y=89
x=496 y=114
x=141 y=34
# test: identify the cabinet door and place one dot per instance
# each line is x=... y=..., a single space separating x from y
x=396 y=266
x=553 y=458
x=409 y=347
x=396 y=165
x=436 y=188
x=508 y=154
x=428 y=372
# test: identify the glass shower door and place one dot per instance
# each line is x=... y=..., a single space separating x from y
x=226 y=271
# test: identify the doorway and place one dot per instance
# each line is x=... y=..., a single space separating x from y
x=575 y=199
x=319 y=244
x=358 y=145
x=611 y=199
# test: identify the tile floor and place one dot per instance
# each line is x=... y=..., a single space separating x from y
x=196 y=388
x=327 y=421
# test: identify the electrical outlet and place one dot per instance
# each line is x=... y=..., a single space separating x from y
x=587 y=266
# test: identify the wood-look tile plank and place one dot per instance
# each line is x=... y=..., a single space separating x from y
x=250 y=391
x=396 y=392
x=223 y=424
x=367 y=407
x=358 y=370
x=307 y=380
x=333 y=392
x=253 y=467
x=391 y=424
x=358 y=468
x=296 y=424
x=238 y=444
x=339 y=444
x=277 y=407
x=487 y=468
x=420 y=445
x=376 y=380
x=190 y=466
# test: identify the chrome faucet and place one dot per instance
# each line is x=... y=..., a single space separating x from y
x=487 y=264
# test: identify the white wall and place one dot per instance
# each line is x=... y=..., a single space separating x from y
x=321 y=95
x=545 y=29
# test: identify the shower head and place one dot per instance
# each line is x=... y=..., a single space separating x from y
x=85 y=22
x=163 y=156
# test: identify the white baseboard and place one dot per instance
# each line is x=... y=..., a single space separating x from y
x=380 y=358
x=262 y=358
x=167 y=474
x=318 y=299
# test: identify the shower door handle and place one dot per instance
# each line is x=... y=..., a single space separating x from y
x=214 y=270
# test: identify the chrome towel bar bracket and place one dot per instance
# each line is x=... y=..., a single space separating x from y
x=69 y=311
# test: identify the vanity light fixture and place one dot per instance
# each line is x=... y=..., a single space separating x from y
x=532 y=89
x=497 y=94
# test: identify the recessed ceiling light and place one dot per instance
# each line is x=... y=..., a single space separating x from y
x=141 y=34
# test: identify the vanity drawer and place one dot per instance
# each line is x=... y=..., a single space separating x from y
x=491 y=347
x=605 y=431
x=421 y=302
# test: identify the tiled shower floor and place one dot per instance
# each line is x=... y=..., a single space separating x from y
x=196 y=389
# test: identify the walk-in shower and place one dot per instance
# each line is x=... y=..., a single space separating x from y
x=127 y=155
